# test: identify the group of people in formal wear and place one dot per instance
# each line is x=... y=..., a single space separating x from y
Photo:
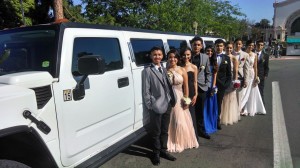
x=198 y=92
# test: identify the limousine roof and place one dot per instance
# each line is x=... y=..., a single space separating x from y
x=107 y=27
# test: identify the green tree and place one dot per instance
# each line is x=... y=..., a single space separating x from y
x=11 y=13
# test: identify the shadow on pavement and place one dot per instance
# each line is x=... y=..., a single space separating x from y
x=141 y=148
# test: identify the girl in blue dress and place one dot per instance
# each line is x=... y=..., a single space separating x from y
x=211 y=107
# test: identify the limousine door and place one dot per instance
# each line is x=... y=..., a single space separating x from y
x=106 y=114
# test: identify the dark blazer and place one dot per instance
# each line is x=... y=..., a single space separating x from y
x=224 y=75
x=263 y=65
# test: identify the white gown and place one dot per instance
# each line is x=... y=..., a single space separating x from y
x=252 y=102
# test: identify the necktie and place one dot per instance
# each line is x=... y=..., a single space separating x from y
x=160 y=70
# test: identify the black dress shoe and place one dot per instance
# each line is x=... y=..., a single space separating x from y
x=156 y=160
x=219 y=127
x=167 y=156
x=204 y=135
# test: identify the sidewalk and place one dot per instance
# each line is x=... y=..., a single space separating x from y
x=284 y=57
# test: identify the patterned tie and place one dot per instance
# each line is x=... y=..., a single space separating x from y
x=160 y=70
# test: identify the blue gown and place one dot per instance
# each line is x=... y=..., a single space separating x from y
x=210 y=112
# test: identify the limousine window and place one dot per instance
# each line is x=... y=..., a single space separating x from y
x=141 y=48
x=177 y=44
x=107 y=48
x=209 y=43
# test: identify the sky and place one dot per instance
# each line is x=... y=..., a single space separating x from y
x=255 y=10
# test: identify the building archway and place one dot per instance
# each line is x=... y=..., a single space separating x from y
x=292 y=24
x=295 y=26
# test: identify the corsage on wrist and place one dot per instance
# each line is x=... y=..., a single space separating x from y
x=214 y=90
x=236 y=84
x=186 y=101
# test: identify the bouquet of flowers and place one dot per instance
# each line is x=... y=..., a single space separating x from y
x=236 y=84
x=185 y=102
x=170 y=76
x=214 y=90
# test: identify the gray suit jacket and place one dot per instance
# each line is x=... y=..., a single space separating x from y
x=204 y=75
x=156 y=92
x=244 y=64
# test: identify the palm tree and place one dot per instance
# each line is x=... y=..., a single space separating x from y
x=58 y=10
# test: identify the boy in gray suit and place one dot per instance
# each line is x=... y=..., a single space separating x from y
x=158 y=99
x=204 y=82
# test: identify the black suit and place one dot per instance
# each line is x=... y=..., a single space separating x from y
x=224 y=78
x=262 y=71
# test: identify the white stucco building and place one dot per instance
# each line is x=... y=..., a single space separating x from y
x=286 y=22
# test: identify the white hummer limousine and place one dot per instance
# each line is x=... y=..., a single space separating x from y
x=70 y=93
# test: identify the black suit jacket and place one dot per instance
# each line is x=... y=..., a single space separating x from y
x=263 y=65
x=224 y=75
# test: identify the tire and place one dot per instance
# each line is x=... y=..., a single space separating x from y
x=12 y=164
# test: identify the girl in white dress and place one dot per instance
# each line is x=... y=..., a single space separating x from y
x=254 y=104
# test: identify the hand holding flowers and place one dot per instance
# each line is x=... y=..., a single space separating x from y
x=256 y=81
x=185 y=102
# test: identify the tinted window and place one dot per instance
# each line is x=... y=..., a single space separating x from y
x=107 y=48
x=141 y=48
x=27 y=51
x=209 y=43
x=177 y=44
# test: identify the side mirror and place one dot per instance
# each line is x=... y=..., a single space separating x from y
x=91 y=64
x=87 y=65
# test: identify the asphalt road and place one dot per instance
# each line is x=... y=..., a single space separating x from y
x=247 y=144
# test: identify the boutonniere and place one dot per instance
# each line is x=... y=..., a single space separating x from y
x=243 y=59
x=225 y=62
x=202 y=67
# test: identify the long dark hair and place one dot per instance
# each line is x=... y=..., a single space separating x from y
x=182 y=51
x=213 y=59
x=177 y=56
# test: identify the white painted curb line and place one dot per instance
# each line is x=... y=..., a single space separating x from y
x=282 y=153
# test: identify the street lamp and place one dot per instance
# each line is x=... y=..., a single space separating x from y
x=195 y=25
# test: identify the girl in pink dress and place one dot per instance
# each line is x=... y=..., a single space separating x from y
x=181 y=130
